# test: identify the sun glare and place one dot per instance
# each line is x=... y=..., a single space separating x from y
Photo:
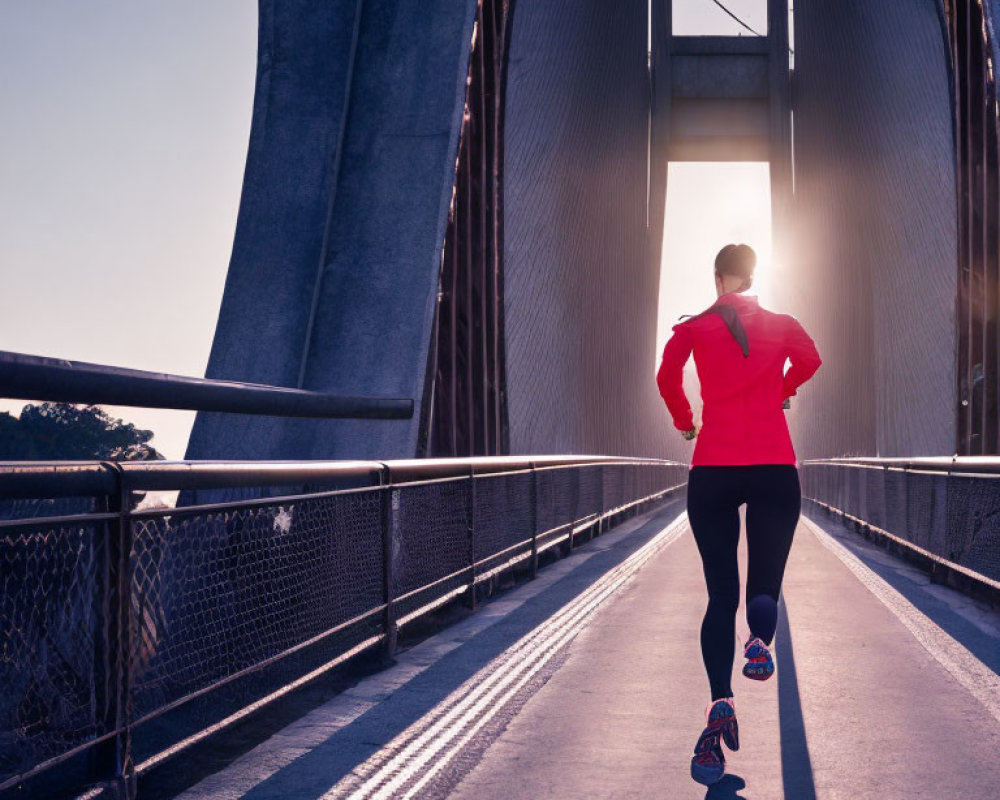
x=710 y=205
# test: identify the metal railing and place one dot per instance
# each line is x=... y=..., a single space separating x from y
x=28 y=377
x=132 y=632
x=943 y=513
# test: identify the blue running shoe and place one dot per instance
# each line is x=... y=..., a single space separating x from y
x=760 y=665
x=708 y=764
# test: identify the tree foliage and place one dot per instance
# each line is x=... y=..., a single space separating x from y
x=63 y=432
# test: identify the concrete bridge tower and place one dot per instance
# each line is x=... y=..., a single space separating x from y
x=462 y=203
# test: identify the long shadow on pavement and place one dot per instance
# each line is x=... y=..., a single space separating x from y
x=900 y=576
x=796 y=767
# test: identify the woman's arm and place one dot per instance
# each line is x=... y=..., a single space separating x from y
x=670 y=377
x=803 y=355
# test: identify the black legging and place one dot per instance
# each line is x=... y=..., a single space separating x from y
x=773 y=499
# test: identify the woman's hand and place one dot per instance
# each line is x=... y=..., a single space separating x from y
x=689 y=435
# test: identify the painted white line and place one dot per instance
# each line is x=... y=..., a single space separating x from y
x=517 y=665
x=981 y=681
x=419 y=753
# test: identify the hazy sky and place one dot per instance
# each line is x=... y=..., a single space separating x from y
x=125 y=126
x=705 y=18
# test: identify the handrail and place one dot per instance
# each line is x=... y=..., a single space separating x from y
x=74 y=478
x=24 y=479
x=29 y=377
x=954 y=464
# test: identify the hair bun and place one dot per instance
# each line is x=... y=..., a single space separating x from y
x=736 y=259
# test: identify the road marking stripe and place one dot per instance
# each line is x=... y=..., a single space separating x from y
x=981 y=681
x=414 y=757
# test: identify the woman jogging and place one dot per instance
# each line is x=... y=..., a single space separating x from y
x=743 y=454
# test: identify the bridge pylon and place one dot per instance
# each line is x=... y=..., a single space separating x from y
x=726 y=98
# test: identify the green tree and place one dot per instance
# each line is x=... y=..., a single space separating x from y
x=61 y=431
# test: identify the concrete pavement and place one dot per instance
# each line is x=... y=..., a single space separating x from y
x=588 y=683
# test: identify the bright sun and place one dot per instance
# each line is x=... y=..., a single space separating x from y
x=710 y=205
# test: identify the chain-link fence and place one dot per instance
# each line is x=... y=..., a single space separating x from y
x=128 y=633
x=948 y=507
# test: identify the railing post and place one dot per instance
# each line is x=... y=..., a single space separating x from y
x=101 y=765
x=601 y=522
x=472 y=538
x=115 y=757
x=575 y=472
x=534 y=520
x=389 y=507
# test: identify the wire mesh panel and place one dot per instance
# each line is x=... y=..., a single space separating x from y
x=875 y=496
x=630 y=490
x=614 y=487
x=815 y=481
x=973 y=523
x=655 y=478
x=52 y=673
x=432 y=533
x=558 y=492
x=34 y=507
x=639 y=480
x=833 y=485
x=852 y=486
x=590 y=497
x=895 y=501
x=215 y=593
x=951 y=510
x=926 y=519
x=504 y=513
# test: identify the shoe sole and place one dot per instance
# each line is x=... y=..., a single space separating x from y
x=757 y=673
x=707 y=775
x=731 y=734
x=727 y=729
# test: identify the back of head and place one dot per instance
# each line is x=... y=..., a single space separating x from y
x=737 y=260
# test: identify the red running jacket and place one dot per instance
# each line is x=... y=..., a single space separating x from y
x=742 y=421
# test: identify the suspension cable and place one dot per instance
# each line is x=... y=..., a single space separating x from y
x=731 y=14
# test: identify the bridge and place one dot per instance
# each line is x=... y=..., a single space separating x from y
x=429 y=535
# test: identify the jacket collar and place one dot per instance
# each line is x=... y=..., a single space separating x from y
x=738 y=300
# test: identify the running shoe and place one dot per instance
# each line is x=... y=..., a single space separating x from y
x=708 y=764
x=760 y=665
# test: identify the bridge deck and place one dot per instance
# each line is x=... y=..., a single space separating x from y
x=588 y=683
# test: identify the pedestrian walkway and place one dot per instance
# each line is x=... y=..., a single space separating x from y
x=588 y=683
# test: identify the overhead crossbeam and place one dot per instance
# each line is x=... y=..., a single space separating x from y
x=724 y=98
x=720 y=99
